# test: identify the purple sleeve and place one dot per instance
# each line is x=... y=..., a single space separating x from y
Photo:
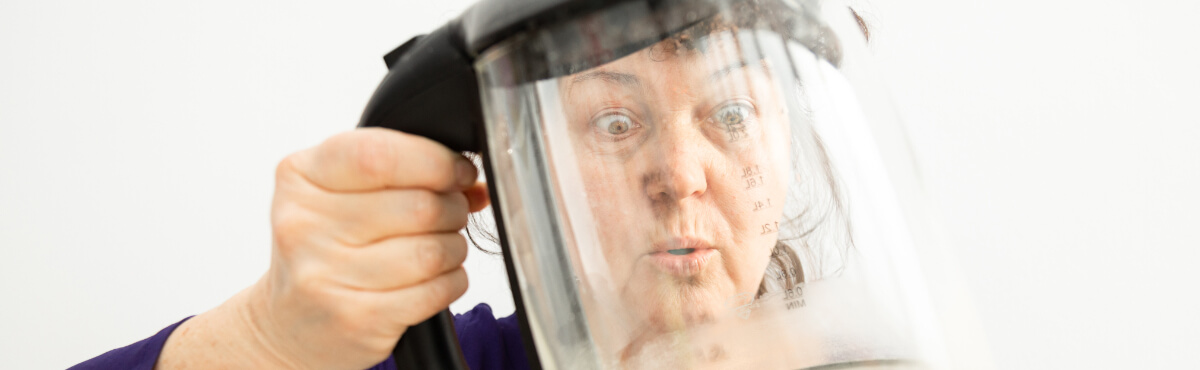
x=138 y=356
x=487 y=344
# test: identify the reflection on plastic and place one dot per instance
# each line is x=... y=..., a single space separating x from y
x=710 y=199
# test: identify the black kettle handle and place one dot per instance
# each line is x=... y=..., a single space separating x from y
x=430 y=90
x=432 y=344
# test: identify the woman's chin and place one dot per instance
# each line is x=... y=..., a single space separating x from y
x=682 y=306
x=669 y=322
x=665 y=299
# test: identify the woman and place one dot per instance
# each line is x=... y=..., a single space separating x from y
x=685 y=152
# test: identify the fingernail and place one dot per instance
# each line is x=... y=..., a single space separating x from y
x=466 y=173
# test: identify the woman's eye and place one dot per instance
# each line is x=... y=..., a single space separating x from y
x=614 y=124
x=734 y=118
x=734 y=115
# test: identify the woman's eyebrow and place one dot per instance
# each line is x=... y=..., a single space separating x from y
x=627 y=80
x=727 y=70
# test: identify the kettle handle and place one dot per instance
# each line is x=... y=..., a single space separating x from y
x=430 y=90
x=432 y=344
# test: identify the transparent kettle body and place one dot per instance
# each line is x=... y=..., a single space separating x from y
x=705 y=184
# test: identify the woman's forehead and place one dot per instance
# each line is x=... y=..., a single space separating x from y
x=703 y=66
x=707 y=60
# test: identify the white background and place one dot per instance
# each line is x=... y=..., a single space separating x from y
x=138 y=141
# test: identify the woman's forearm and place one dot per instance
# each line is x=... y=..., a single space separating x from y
x=225 y=337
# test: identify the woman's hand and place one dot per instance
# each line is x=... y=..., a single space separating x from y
x=366 y=244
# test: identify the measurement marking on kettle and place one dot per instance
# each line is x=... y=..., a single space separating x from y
x=762 y=204
x=753 y=182
x=750 y=171
x=753 y=176
x=770 y=228
x=794 y=298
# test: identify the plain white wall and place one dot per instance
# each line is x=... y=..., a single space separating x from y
x=138 y=141
x=1062 y=139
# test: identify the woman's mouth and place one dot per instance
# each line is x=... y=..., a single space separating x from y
x=681 y=257
x=681 y=251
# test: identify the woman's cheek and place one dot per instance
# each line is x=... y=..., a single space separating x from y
x=609 y=205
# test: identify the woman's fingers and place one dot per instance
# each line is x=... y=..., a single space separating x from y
x=349 y=320
x=420 y=302
x=372 y=184
x=358 y=219
x=365 y=243
x=374 y=158
x=477 y=197
x=400 y=262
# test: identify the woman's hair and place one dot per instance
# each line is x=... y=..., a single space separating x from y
x=818 y=232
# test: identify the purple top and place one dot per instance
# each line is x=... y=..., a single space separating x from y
x=487 y=344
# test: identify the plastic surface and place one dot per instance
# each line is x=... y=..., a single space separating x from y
x=681 y=183
x=430 y=90
x=717 y=185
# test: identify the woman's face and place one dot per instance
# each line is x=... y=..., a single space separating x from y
x=683 y=155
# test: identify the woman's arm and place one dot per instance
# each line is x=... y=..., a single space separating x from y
x=223 y=337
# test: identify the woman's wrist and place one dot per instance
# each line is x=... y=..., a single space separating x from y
x=227 y=336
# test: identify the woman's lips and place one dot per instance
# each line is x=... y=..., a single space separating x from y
x=681 y=257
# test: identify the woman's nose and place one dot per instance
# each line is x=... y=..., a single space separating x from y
x=680 y=171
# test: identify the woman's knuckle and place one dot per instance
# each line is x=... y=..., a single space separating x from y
x=354 y=318
x=460 y=211
x=307 y=284
x=286 y=167
x=446 y=289
x=458 y=243
x=443 y=169
x=290 y=229
x=457 y=284
x=431 y=256
x=284 y=223
x=461 y=274
x=426 y=209
x=436 y=291
x=372 y=155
